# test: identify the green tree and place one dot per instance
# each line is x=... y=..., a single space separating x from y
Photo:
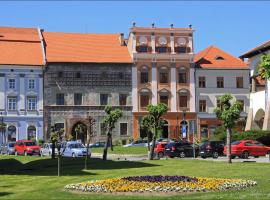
x=153 y=121
x=110 y=120
x=229 y=113
x=264 y=67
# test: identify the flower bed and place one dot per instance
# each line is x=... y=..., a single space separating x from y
x=140 y=184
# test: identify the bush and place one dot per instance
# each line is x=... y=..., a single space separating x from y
x=40 y=141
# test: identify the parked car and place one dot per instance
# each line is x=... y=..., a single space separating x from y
x=26 y=147
x=46 y=149
x=211 y=149
x=137 y=143
x=7 y=148
x=246 y=148
x=97 y=144
x=160 y=149
x=75 y=149
x=181 y=149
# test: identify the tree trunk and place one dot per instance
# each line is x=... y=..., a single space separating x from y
x=53 y=150
x=229 y=157
x=105 y=151
x=148 y=141
x=153 y=145
x=87 y=151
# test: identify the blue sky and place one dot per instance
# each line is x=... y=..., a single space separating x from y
x=233 y=26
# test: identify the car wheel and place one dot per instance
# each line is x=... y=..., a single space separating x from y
x=73 y=155
x=233 y=157
x=160 y=155
x=215 y=154
x=203 y=157
x=171 y=156
x=256 y=156
x=182 y=154
x=245 y=155
x=25 y=153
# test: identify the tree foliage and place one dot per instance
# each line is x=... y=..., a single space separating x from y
x=264 y=67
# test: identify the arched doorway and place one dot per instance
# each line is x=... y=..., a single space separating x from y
x=165 y=130
x=31 y=133
x=11 y=133
x=79 y=132
x=258 y=119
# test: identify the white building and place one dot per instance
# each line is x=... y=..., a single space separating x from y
x=21 y=83
x=217 y=73
x=258 y=117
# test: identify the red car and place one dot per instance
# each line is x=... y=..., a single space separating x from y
x=246 y=148
x=160 y=149
x=26 y=147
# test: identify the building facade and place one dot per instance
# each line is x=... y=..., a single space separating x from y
x=84 y=73
x=21 y=83
x=217 y=73
x=258 y=115
x=163 y=72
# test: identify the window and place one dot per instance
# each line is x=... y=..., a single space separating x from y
x=12 y=103
x=182 y=76
x=121 y=75
x=242 y=104
x=180 y=49
x=142 y=49
x=164 y=77
x=32 y=103
x=183 y=100
x=164 y=99
x=144 y=77
x=201 y=82
x=161 y=49
x=220 y=82
x=103 y=99
x=11 y=133
x=239 y=82
x=78 y=75
x=60 y=99
x=31 y=84
x=202 y=106
x=77 y=99
x=31 y=133
x=219 y=58
x=123 y=128
x=122 y=99
x=60 y=74
x=11 y=83
x=102 y=129
x=144 y=100
x=218 y=103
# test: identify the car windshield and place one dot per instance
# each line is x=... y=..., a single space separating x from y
x=30 y=144
x=236 y=142
x=76 y=146
x=11 y=144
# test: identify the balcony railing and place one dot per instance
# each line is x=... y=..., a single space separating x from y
x=163 y=49
x=182 y=49
x=143 y=49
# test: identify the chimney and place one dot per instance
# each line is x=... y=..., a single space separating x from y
x=153 y=25
x=134 y=24
x=122 y=40
x=171 y=26
x=190 y=26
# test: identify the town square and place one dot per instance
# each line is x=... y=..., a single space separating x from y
x=134 y=100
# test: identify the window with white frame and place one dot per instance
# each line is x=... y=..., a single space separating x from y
x=32 y=103
x=11 y=83
x=123 y=128
x=31 y=84
x=12 y=103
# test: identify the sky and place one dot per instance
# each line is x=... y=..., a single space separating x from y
x=235 y=27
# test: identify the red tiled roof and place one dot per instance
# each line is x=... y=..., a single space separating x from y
x=215 y=58
x=256 y=50
x=76 y=47
x=20 y=46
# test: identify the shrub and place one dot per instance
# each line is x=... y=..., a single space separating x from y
x=40 y=141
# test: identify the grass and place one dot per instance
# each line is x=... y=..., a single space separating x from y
x=123 y=150
x=35 y=178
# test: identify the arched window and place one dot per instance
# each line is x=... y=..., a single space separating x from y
x=11 y=133
x=144 y=98
x=144 y=75
x=182 y=75
x=163 y=75
x=164 y=96
x=31 y=133
x=219 y=58
x=183 y=99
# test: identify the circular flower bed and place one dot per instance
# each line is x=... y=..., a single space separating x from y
x=160 y=184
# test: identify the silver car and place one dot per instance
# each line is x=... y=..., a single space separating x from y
x=46 y=150
x=75 y=149
x=7 y=148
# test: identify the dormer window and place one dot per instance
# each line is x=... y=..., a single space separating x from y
x=219 y=58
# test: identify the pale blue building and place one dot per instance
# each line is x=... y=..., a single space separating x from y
x=21 y=83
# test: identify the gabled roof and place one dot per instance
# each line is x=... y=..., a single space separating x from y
x=215 y=58
x=261 y=48
x=85 y=48
x=20 y=46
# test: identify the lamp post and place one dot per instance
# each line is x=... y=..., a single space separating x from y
x=184 y=125
x=3 y=127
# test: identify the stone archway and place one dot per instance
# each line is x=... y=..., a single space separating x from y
x=258 y=119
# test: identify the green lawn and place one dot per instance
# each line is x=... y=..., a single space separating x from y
x=35 y=178
x=123 y=150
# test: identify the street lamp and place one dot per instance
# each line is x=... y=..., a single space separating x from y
x=3 y=127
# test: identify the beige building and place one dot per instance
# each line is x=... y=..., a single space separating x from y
x=217 y=73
